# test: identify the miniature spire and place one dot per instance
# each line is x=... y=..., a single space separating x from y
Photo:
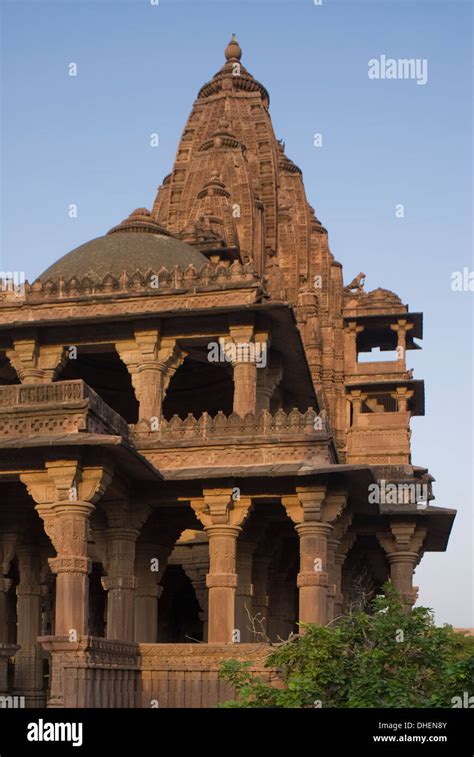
x=233 y=50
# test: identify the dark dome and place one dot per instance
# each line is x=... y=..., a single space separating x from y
x=128 y=247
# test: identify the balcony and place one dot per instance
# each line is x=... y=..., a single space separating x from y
x=230 y=441
x=62 y=407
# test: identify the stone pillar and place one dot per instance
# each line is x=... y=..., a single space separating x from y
x=117 y=547
x=338 y=546
x=151 y=361
x=221 y=517
x=402 y=568
x=146 y=595
x=402 y=396
x=5 y=585
x=241 y=348
x=151 y=380
x=401 y=328
x=222 y=582
x=120 y=582
x=350 y=345
x=356 y=398
x=344 y=547
x=314 y=510
x=244 y=609
x=29 y=659
x=71 y=566
x=245 y=391
x=260 y=566
x=333 y=544
x=403 y=547
x=64 y=492
x=267 y=381
x=313 y=577
x=197 y=576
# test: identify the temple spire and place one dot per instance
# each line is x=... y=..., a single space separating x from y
x=233 y=50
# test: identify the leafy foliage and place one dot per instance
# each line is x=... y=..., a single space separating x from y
x=384 y=658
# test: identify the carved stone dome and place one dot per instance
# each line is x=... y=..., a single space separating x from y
x=139 y=243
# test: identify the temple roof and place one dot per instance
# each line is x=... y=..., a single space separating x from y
x=137 y=244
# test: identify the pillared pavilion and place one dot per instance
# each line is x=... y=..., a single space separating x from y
x=192 y=445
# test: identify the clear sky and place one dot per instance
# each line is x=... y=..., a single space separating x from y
x=86 y=140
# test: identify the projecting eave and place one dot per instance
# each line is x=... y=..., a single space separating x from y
x=356 y=478
x=437 y=520
x=36 y=449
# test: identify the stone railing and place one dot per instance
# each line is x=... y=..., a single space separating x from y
x=210 y=278
x=62 y=406
x=93 y=672
x=187 y=675
x=281 y=424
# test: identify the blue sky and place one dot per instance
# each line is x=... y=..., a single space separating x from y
x=86 y=140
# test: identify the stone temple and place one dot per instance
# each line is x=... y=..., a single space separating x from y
x=194 y=453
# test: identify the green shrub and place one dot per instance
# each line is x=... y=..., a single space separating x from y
x=384 y=658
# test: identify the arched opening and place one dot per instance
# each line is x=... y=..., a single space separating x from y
x=270 y=611
x=178 y=611
x=198 y=387
x=103 y=370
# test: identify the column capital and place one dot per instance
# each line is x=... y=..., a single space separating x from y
x=315 y=504
x=70 y=564
x=402 y=538
x=315 y=528
x=67 y=480
x=217 y=507
x=223 y=529
x=36 y=363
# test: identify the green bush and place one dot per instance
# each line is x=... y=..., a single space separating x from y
x=383 y=658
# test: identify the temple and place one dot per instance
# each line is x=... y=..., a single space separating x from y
x=199 y=425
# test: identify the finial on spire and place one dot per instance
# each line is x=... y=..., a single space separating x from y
x=233 y=50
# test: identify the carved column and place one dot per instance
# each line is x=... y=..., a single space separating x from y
x=344 y=547
x=197 y=568
x=222 y=518
x=7 y=553
x=5 y=586
x=65 y=492
x=148 y=591
x=350 y=345
x=401 y=328
x=120 y=583
x=267 y=381
x=121 y=535
x=313 y=577
x=314 y=513
x=244 y=597
x=403 y=545
x=241 y=347
x=151 y=361
x=71 y=566
x=29 y=659
x=334 y=544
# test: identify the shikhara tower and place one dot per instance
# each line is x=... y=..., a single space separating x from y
x=151 y=496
